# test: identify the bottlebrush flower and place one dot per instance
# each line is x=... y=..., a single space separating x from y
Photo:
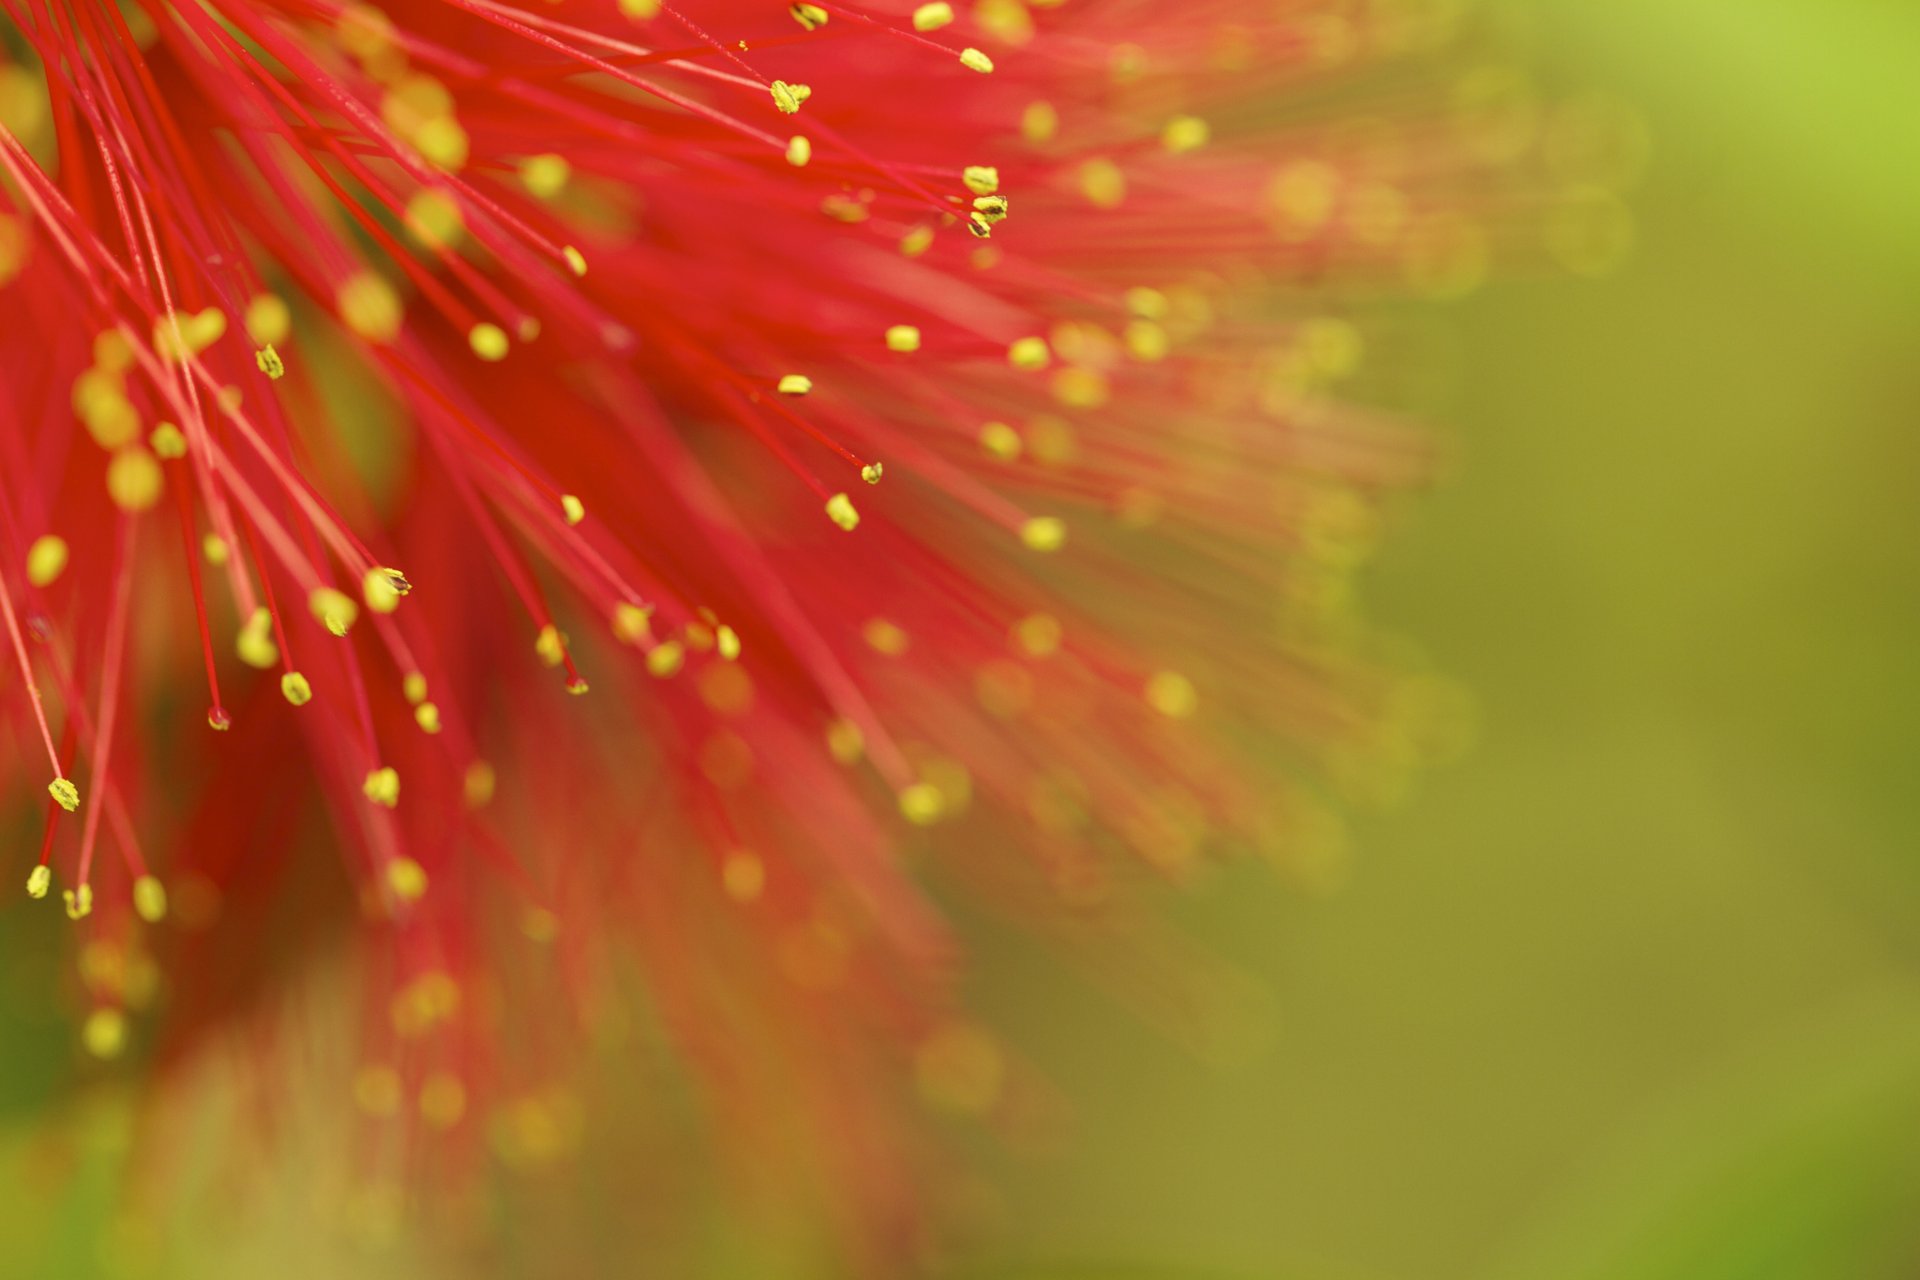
x=889 y=418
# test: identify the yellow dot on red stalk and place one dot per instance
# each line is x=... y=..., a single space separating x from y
x=799 y=151
x=572 y=508
x=1172 y=695
x=1029 y=353
x=974 y=60
x=333 y=609
x=369 y=306
x=840 y=511
x=46 y=559
x=133 y=479
x=903 y=338
x=795 y=384
x=1044 y=533
x=489 y=341
x=295 y=689
x=576 y=261
x=150 y=899
x=382 y=786
x=105 y=1032
x=407 y=879
x=931 y=17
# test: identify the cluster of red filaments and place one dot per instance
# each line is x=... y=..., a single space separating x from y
x=903 y=417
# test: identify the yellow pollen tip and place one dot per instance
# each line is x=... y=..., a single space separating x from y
x=1044 y=533
x=46 y=559
x=489 y=341
x=1000 y=440
x=369 y=306
x=133 y=479
x=333 y=609
x=477 y=786
x=795 y=384
x=799 y=151
x=727 y=641
x=39 y=880
x=380 y=591
x=64 y=792
x=105 y=1033
x=214 y=548
x=576 y=261
x=414 y=686
x=872 y=472
x=663 y=660
x=1184 y=134
x=743 y=876
x=810 y=16
x=788 y=97
x=974 y=60
x=550 y=645
x=840 y=511
x=79 y=902
x=981 y=179
x=427 y=716
x=932 y=17
x=255 y=643
x=269 y=362
x=1172 y=695
x=268 y=320
x=577 y=685
x=631 y=623
x=150 y=899
x=407 y=879
x=382 y=786
x=1029 y=353
x=545 y=176
x=168 y=441
x=903 y=338
x=916 y=242
x=572 y=508
x=922 y=804
x=295 y=689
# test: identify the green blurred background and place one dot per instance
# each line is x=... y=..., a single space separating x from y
x=1633 y=991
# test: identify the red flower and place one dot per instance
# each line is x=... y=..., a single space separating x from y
x=486 y=353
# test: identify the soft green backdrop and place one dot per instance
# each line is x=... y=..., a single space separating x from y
x=1633 y=991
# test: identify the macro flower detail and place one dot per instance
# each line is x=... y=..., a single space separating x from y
x=921 y=439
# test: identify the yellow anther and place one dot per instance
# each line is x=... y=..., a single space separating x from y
x=992 y=208
x=99 y=398
x=799 y=151
x=65 y=792
x=631 y=623
x=79 y=902
x=872 y=472
x=177 y=335
x=640 y=10
x=1172 y=695
x=407 y=878
x=46 y=559
x=1185 y=133
x=254 y=643
x=974 y=60
x=787 y=96
x=168 y=441
x=1044 y=533
x=1038 y=635
x=427 y=716
x=572 y=508
x=922 y=804
x=230 y=398
x=489 y=341
x=903 y=338
x=376 y=1090
x=435 y=219
x=1039 y=122
x=39 y=880
x=414 y=688
x=743 y=876
x=884 y=636
x=528 y=328
x=1029 y=353
x=105 y=1033
x=1146 y=341
x=382 y=786
x=1102 y=182
x=443 y=1100
x=369 y=306
x=150 y=899
x=268 y=319
x=1081 y=388
x=727 y=642
x=112 y=353
x=932 y=17
x=1148 y=304
x=810 y=16
x=663 y=660
x=545 y=176
x=1000 y=440
x=134 y=481
x=1006 y=20
x=380 y=591
x=218 y=720
x=550 y=645
x=295 y=688
x=576 y=261
x=916 y=241
x=981 y=179
x=333 y=609
x=845 y=743
x=576 y=685
x=840 y=511
x=477 y=786
x=795 y=384
x=537 y=924
x=443 y=142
